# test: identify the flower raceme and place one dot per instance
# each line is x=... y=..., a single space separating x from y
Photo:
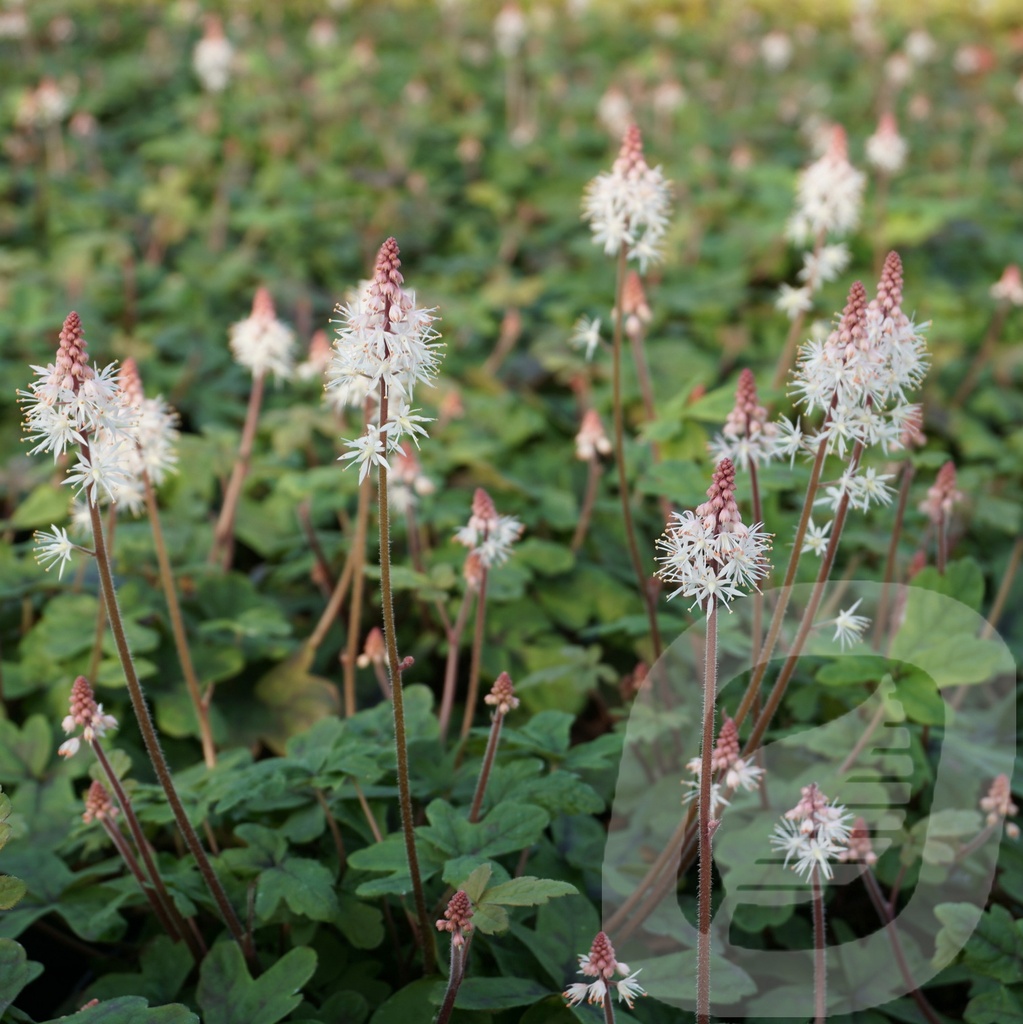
x=735 y=771
x=262 y=343
x=813 y=833
x=710 y=554
x=385 y=339
x=489 y=535
x=829 y=195
x=86 y=714
x=602 y=964
x=629 y=206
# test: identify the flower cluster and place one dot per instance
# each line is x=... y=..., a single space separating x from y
x=629 y=206
x=998 y=805
x=829 y=195
x=812 y=833
x=410 y=483
x=860 y=375
x=85 y=713
x=942 y=495
x=860 y=849
x=735 y=772
x=98 y=805
x=457 y=918
x=489 y=535
x=1009 y=287
x=886 y=148
x=213 y=56
x=262 y=343
x=384 y=340
x=71 y=403
x=710 y=554
x=602 y=964
x=156 y=428
x=591 y=441
x=746 y=438
x=502 y=695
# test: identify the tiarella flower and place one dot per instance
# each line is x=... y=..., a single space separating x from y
x=53 y=547
x=942 y=495
x=886 y=148
x=710 y=554
x=489 y=535
x=384 y=336
x=591 y=441
x=813 y=833
x=408 y=482
x=817 y=538
x=457 y=918
x=849 y=627
x=860 y=849
x=629 y=206
x=733 y=771
x=87 y=714
x=600 y=963
x=861 y=373
x=502 y=695
x=367 y=451
x=1009 y=287
x=509 y=30
x=262 y=343
x=405 y=421
x=213 y=56
x=746 y=438
x=98 y=805
x=829 y=195
x=586 y=335
x=71 y=402
x=156 y=429
x=776 y=50
x=317 y=359
x=822 y=267
x=635 y=308
x=998 y=805
x=793 y=301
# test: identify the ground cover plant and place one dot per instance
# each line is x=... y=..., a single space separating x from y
x=509 y=514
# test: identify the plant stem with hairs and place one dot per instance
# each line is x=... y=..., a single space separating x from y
x=447 y=700
x=589 y=500
x=161 y=897
x=358 y=577
x=222 y=549
x=706 y=872
x=425 y=937
x=149 y=735
x=623 y=481
x=200 y=703
x=476 y=656
x=884 y=911
x=820 y=971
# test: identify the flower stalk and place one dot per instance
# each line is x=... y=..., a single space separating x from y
x=502 y=698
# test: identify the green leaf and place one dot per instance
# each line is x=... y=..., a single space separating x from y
x=11 y=890
x=490 y=919
x=16 y=971
x=958 y=921
x=25 y=754
x=474 y=885
x=995 y=1006
x=498 y=993
x=414 y=1004
x=305 y=885
x=227 y=993
x=131 y=1010
x=46 y=504
x=527 y=892
x=996 y=947
x=361 y=924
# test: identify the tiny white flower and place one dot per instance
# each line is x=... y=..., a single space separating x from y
x=366 y=451
x=817 y=538
x=793 y=301
x=849 y=627
x=53 y=547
